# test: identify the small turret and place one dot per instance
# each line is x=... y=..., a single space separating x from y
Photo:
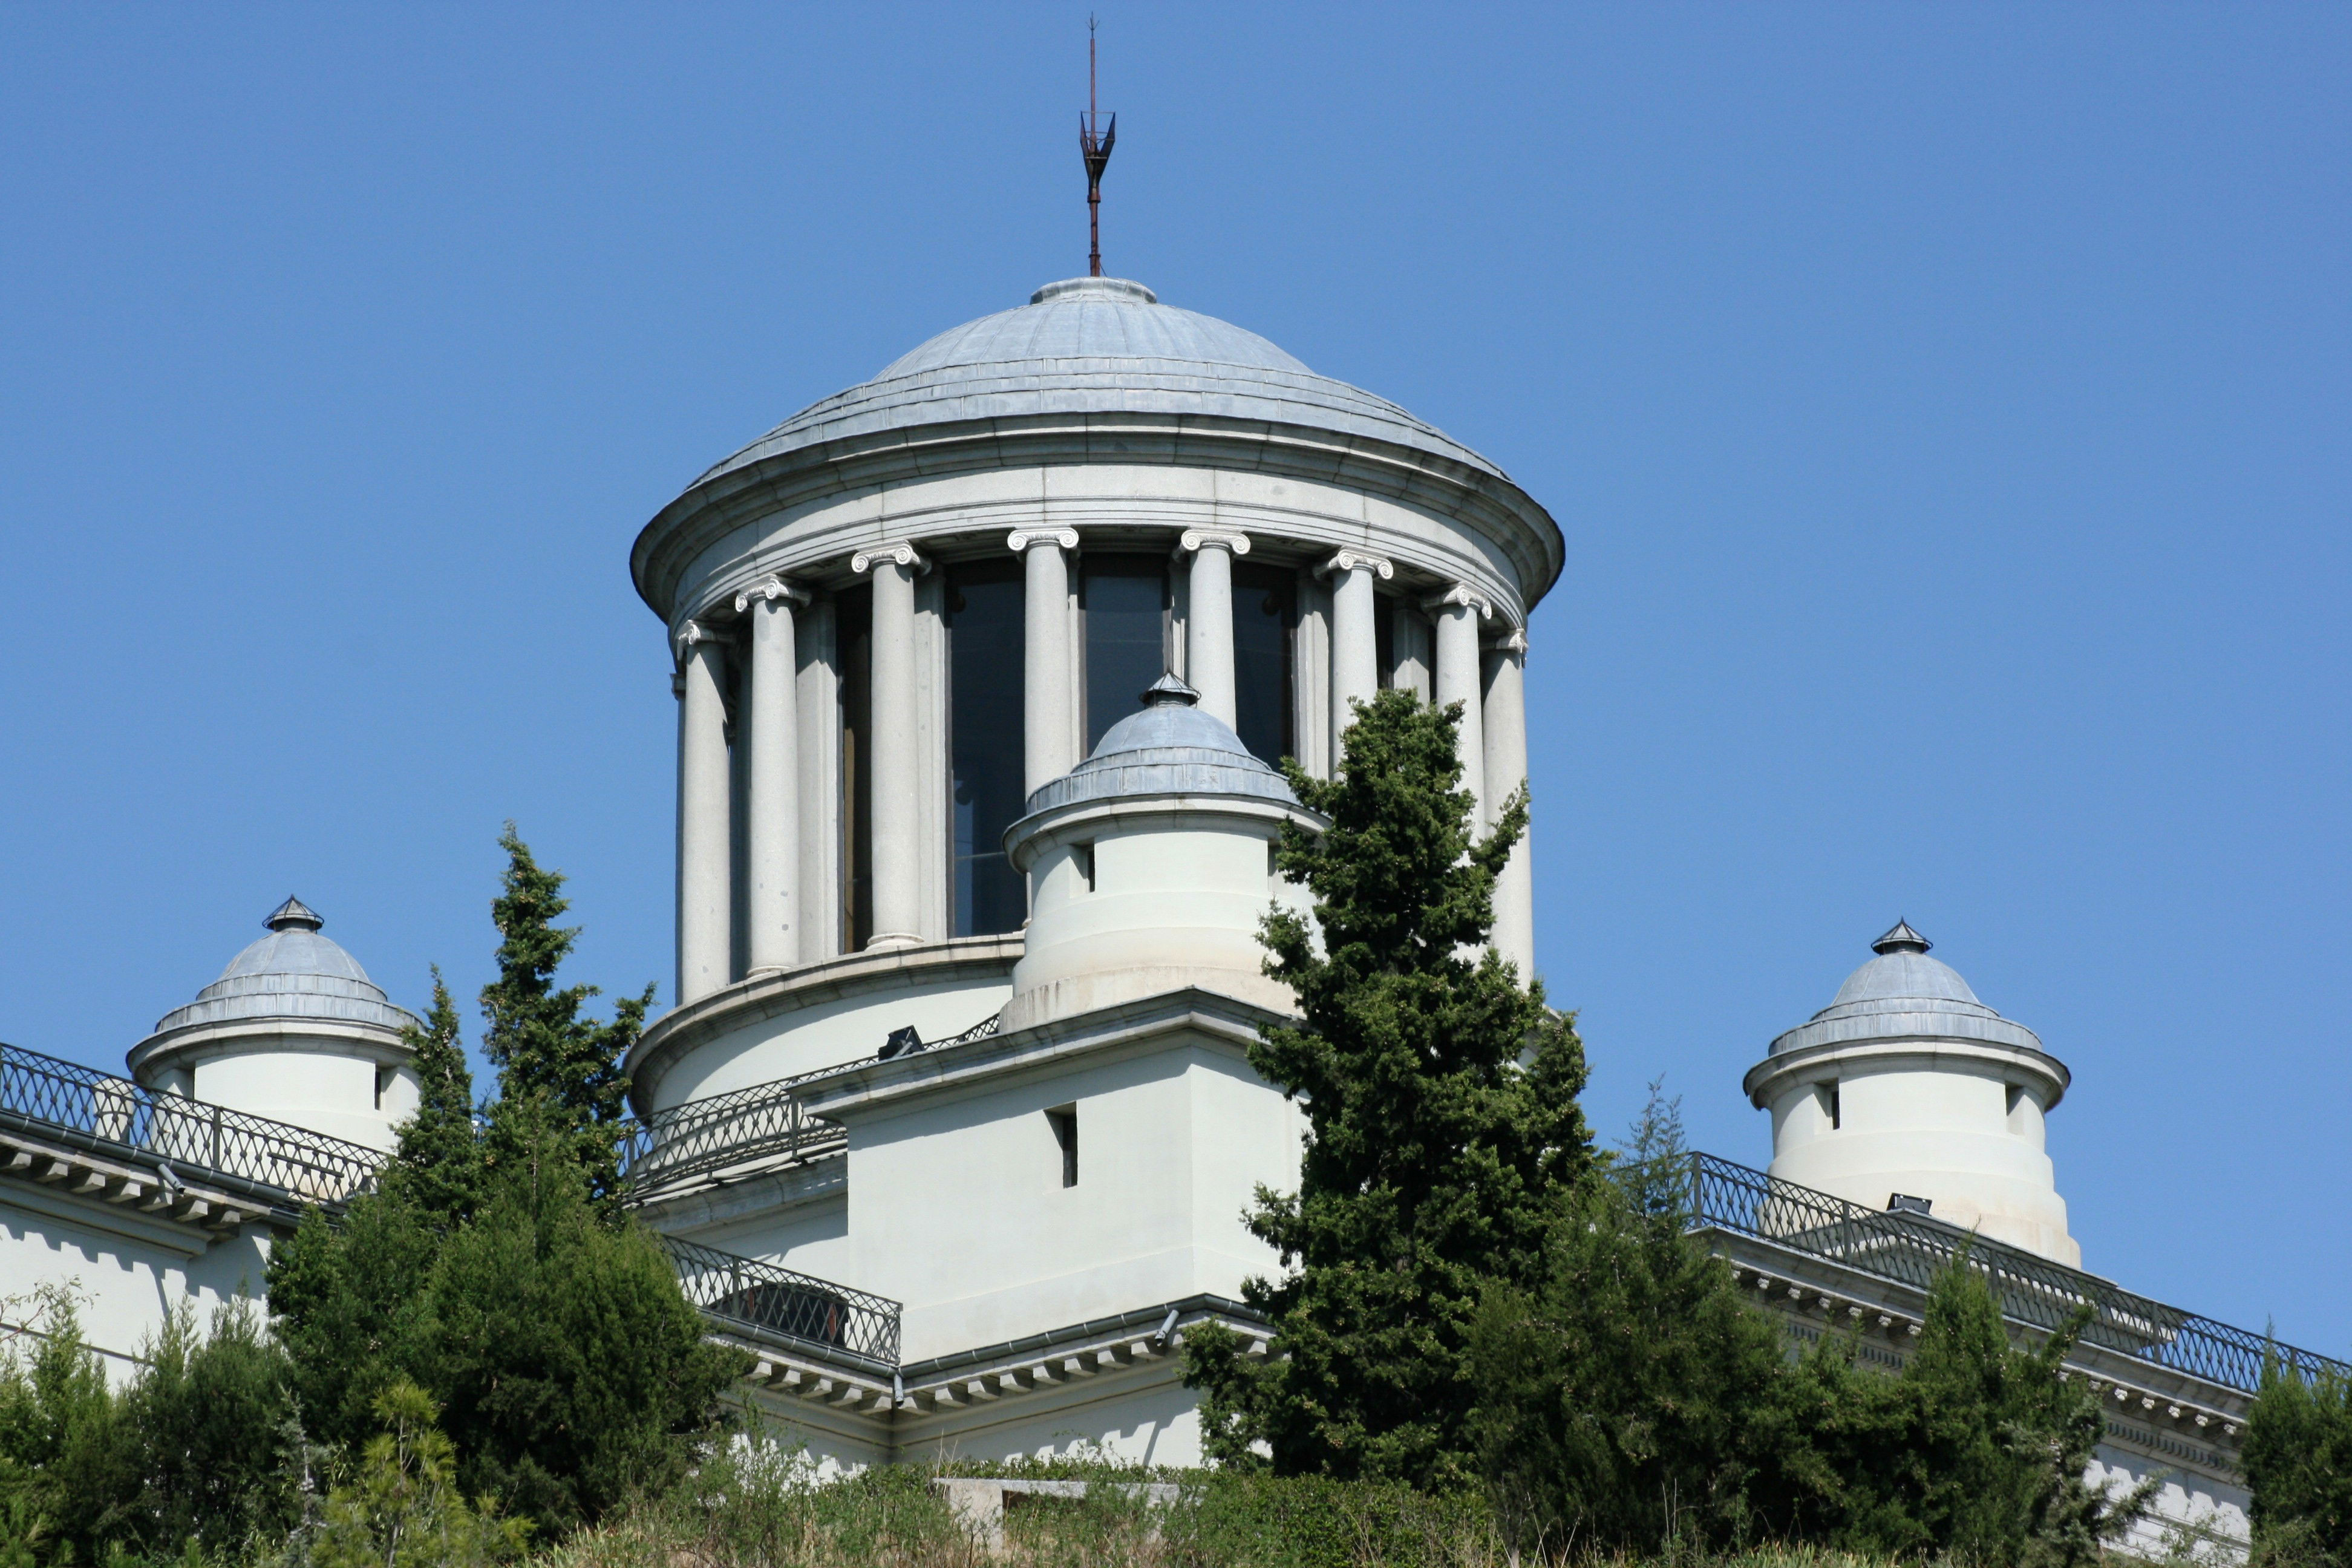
x=293 y=1030
x=1907 y=1087
x=1151 y=866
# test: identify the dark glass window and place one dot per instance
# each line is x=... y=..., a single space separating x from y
x=1266 y=614
x=984 y=729
x=854 y=641
x=1125 y=603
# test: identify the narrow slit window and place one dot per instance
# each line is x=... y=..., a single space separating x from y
x=1826 y=1095
x=1082 y=859
x=1064 y=1121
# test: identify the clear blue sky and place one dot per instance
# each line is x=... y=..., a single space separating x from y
x=1947 y=409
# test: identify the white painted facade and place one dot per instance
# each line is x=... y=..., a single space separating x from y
x=990 y=914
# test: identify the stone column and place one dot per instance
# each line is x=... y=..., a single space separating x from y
x=1506 y=769
x=894 y=782
x=1047 y=691
x=771 y=800
x=1355 y=635
x=1209 y=619
x=704 y=834
x=1458 y=612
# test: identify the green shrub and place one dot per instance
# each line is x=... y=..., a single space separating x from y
x=2298 y=1464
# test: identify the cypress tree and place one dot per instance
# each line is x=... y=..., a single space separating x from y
x=1440 y=1098
x=2298 y=1464
x=439 y=1155
x=559 y=1076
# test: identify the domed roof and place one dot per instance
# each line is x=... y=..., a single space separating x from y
x=1902 y=994
x=1098 y=344
x=1168 y=747
x=292 y=973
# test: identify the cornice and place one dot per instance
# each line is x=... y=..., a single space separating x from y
x=1770 y=1077
x=1491 y=506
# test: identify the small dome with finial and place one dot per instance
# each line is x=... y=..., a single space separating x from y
x=294 y=971
x=1902 y=990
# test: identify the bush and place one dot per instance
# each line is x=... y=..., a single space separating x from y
x=2298 y=1464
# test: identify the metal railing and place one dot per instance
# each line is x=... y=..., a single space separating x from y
x=282 y=1166
x=1911 y=1249
x=758 y=1124
x=830 y=1321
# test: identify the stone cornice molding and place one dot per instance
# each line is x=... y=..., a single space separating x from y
x=1530 y=548
x=1021 y=539
x=1775 y=1075
x=1465 y=594
x=1194 y=539
x=902 y=551
x=771 y=589
x=1348 y=560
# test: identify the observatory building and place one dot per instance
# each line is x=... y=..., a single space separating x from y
x=982 y=668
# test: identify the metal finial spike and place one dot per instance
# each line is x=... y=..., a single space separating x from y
x=1902 y=938
x=293 y=915
x=1095 y=142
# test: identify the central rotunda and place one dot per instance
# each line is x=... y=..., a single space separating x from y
x=910 y=605
x=982 y=668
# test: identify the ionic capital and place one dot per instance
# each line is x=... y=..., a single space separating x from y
x=691 y=636
x=1347 y=560
x=1021 y=539
x=902 y=551
x=1465 y=594
x=1194 y=539
x=771 y=589
x=1513 y=641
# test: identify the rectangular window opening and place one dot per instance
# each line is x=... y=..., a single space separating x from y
x=1082 y=856
x=985 y=715
x=1124 y=601
x=1064 y=1121
x=852 y=632
x=1265 y=623
x=1826 y=1096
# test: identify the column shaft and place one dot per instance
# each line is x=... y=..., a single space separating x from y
x=893 y=783
x=1506 y=769
x=1208 y=622
x=1355 y=635
x=704 y=835
x=772 y=799
x=1048 y=694
x=1458 y=681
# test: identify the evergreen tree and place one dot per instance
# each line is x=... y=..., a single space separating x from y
x=1440 y=1098
x=559 y=1073
x=548 y=1325
x=67 y=1478
x=1977 y=1451
x=1631 y=1398
x=402 y=1508
x=2298 y=1464
x=439 y=1157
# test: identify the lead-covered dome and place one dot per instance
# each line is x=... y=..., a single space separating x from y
x=293 y=972
x=1902 y=994
x=1097 y=344
x=1168 y=747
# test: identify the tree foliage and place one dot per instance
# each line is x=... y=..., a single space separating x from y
x=2298 y=1464
x=401 y=1508
x=201 y=1445
x=1630 y=1399
x=498 y=1274
x=560 y=1073
x=1440 y=1099
x=438 y=1159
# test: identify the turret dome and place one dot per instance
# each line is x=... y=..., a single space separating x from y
x=1169 y=746
x=293 y=1030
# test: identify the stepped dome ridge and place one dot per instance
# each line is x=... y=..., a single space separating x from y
x=1095 y=345
x=293 y=972
x=1903 y=992
x=1169 y=746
